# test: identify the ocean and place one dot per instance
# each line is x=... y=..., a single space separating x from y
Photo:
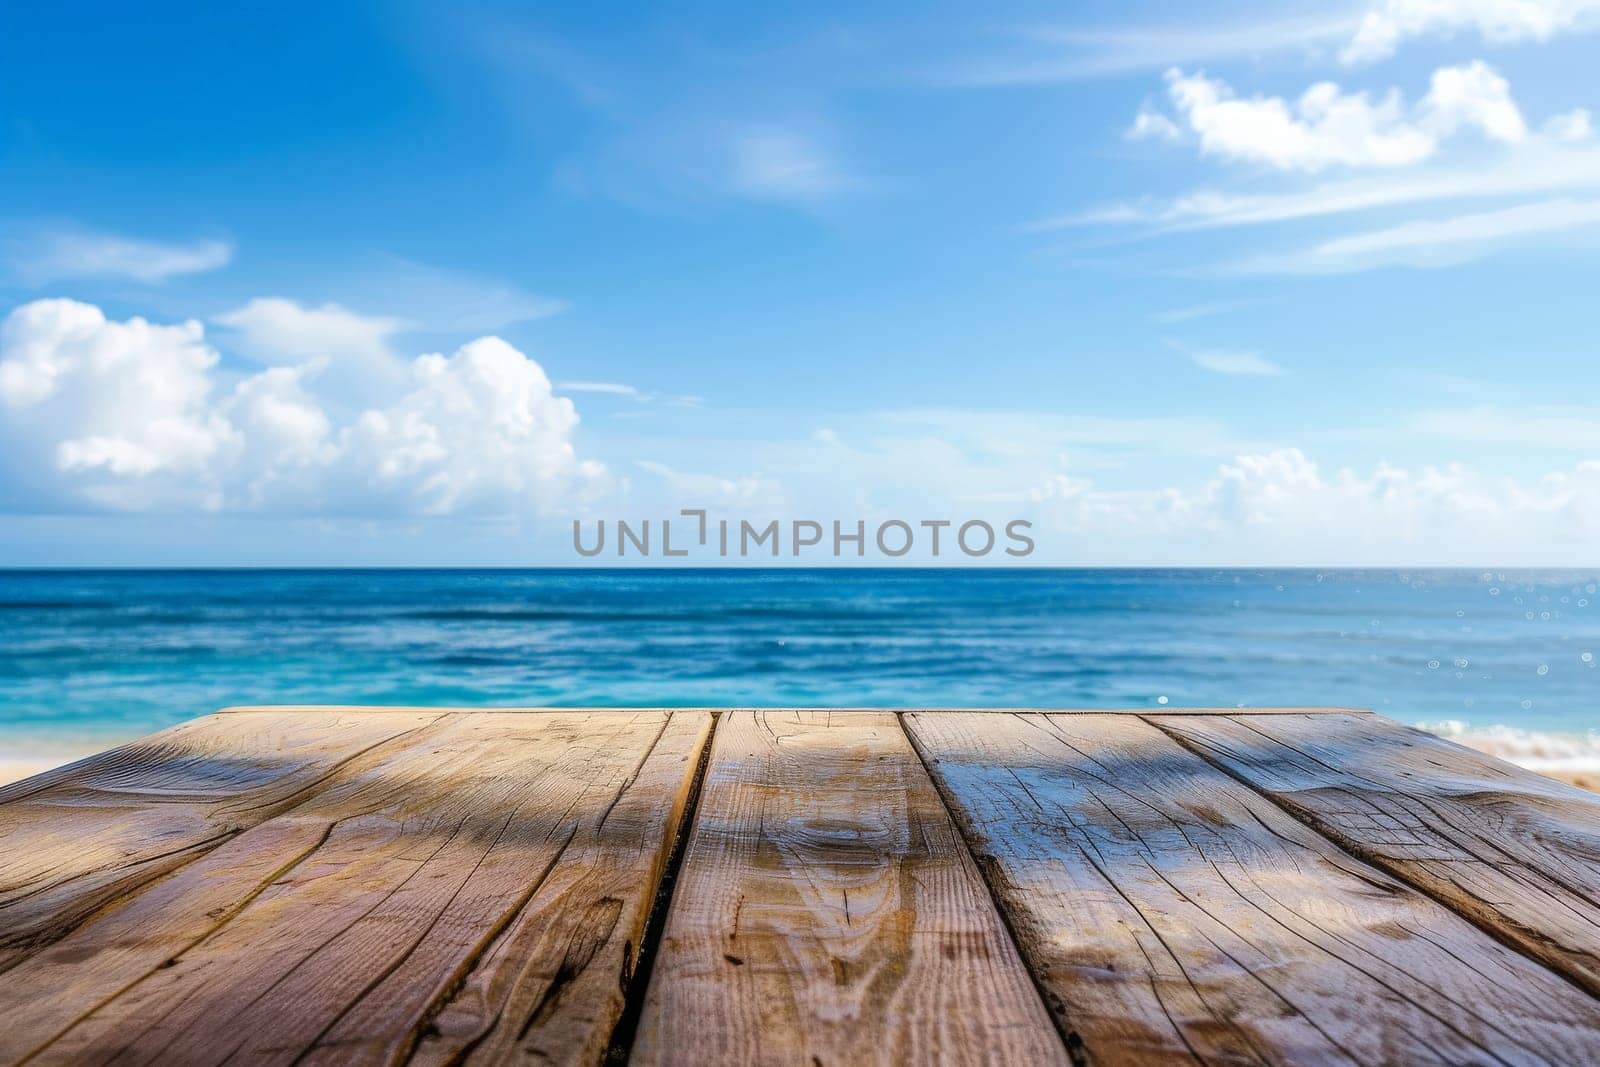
x=1507 y=659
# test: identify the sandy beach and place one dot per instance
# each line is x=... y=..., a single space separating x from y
x=16 y=766
x=13 y=769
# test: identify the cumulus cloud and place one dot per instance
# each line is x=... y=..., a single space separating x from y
x=481 y=429
x=1392 y=22
x=121 y=410
x=1327 y=126
x=137 y=416
x=43 y=257
x=1471 y=96
x=1282 y=504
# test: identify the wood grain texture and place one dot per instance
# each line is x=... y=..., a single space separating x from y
x=828 y=913
x=1173 y=914
x=78 y=837
x=1517 y=852
x=355 y=915
x=550 y=987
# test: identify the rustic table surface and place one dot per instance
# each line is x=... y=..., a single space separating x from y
x=385 y=885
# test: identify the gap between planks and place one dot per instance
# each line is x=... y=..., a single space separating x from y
x=619 y=1051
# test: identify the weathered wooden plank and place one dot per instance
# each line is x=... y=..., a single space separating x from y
x=1515 y=851
x=1171 y=913
x=80 y=836
x=827 y=912
x=550 y=988
x=394 y=882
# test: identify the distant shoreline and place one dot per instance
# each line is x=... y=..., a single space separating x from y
x=16 y=768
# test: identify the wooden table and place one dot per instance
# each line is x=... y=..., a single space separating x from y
x=364 y=885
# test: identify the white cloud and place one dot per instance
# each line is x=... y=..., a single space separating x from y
x=1054 y=55
x=632 y=392
x=43 y=257
x=350 y=353
x=1538 y=165
x=1249 y=363
x=1434 y=242
x=1383 y=29
x=1225 y=361
x=716 y=491
x=608 y=388
x=445 y=301
x=1472 y=96
x=1280 y=505
x=480 y=432
x=1328 y=127
x=276 y=330
x=1574 y=125
x=105 y=406
x=1570 y=429
x=1322 y=128
x=1200 y=311
x=137 y=416
x=1153 y=126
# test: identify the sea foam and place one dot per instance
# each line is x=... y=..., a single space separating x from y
x=1548 y=753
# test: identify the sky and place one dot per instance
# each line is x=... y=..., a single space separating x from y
x=419 y=284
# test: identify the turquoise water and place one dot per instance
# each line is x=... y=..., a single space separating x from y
x=96 y=656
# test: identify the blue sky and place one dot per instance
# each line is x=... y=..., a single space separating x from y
x=1274 y=286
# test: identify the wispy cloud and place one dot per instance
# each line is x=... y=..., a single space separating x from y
x=1228 y=361
x=632 y=392
x=42 y=256
x=611 y=388
x=1434 y=242
x=1392 y=22
x=785 y=165
x=744 y=132
x=1199 y=311
x=712 y=489
x=1328 y=128
x=1563 y=428
x=1539 y=164
x=441 y=300
x=1052 y=55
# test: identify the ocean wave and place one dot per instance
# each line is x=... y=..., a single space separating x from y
x=1547 y=753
